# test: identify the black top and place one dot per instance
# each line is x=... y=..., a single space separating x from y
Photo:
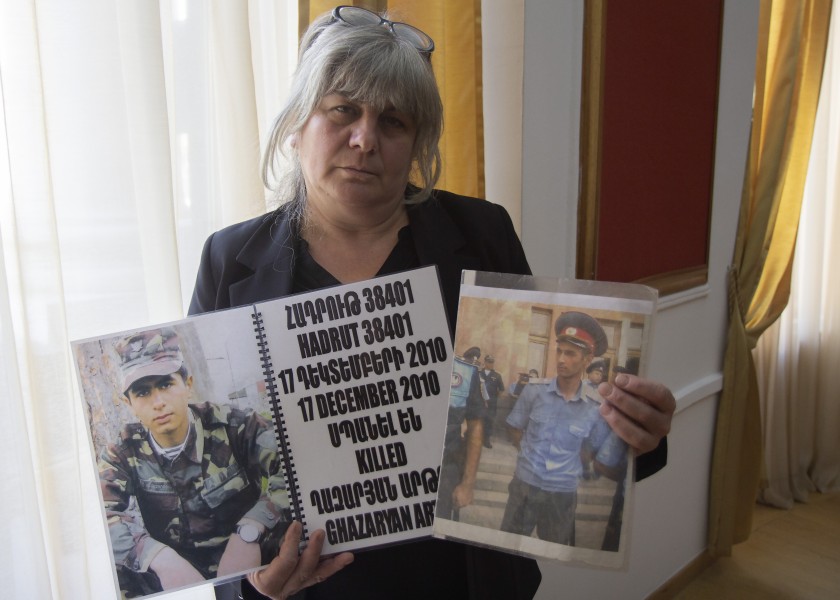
x=382 y=572
x=261 y=259
x=309 y=275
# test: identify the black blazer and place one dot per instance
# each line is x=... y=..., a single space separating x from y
x=254 y=261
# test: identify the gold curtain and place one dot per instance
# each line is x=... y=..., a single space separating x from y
x=456 y=29
x=791 y=50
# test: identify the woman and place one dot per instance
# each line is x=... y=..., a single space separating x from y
x=361 y=133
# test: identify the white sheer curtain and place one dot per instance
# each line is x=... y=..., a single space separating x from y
x=128 y=132
x=797 y=358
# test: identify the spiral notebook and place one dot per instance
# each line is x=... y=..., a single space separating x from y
x=326 y=407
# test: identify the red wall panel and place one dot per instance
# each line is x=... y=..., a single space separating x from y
x=661 y=64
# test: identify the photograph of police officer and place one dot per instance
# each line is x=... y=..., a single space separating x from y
x=550 y=425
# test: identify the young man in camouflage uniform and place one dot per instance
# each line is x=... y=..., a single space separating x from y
x=206 y=478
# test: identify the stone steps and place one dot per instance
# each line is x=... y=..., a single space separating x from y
x=490 y=496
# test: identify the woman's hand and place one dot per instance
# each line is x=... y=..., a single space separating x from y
x=638 y=410
x=289 y=573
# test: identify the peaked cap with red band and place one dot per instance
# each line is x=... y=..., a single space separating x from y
x=581 y=330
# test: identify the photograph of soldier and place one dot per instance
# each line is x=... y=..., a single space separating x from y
x=204 y=476
x=550 y=423
x=462 y=448
x=492 y=385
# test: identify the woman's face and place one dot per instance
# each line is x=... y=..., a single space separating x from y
x=355 y=159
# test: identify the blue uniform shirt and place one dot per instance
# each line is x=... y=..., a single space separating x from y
x=553 y=433
x=462 y=374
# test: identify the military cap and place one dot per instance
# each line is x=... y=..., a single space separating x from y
x=581 y=330
x=597 y=365
x=472 y=353
x=489 y=358
x=152 y=352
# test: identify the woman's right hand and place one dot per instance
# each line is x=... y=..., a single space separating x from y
x=288 y=572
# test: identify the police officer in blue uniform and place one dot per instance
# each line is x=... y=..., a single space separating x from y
x=596 y=373
x=549 y=424
x=492 y=385
x=461 y=452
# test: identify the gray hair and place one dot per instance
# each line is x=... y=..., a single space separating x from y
x=367 y=64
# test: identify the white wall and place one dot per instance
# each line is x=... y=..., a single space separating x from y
x=502 y=48
x=670 y=512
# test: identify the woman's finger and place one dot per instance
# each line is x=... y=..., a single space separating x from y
x=638 y=410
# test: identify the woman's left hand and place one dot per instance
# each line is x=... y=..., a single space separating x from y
x=638 y=410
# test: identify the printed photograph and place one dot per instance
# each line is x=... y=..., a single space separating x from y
x=186 y=453
x=530 y=465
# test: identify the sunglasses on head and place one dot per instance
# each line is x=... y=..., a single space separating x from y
x=354 y=15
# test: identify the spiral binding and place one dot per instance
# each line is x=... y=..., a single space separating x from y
x=280 y=431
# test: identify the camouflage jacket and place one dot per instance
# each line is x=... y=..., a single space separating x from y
x=229 y=469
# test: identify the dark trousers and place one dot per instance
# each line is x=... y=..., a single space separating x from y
x=551 y=513
x=450 y=477
x=612 y=536
x=488 y=419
